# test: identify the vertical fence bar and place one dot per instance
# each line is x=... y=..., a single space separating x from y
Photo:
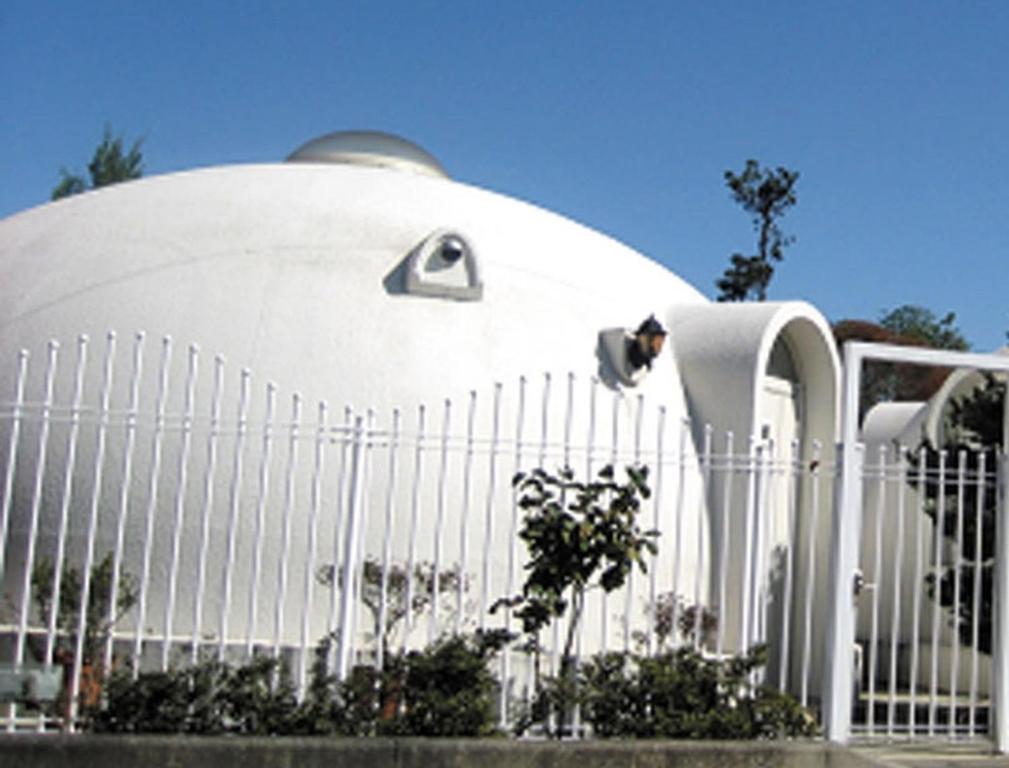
x=40 y=464
x=629 y=602
x=33 y=528
x=653 y=578
x=589 y=445
x=390 y=505
x=568 y=419
x=98 y=468
x=604 y=624
x=411 y=566
x=506 y=657
x=321 y=436
x=758 y=577
x=180 y=504
x=898 y=571
x=940 y=526
x=954 y=667
x=814 y=525
x=234 y=510
x=877 y=567
x=12 y=452
x=69 y=466
x=541 y=463
x=467 y=473
x=439 y=523
x=749 y=587
x=681 y=458
x=345 y=433
x=290 y=472
x=154 y=475
x=361 y=526
x=350 y=554
x=207 y=506
x=1000 y=595
x=702 y=513
x=126 y=476
x=982 y=482
x=723 y=565
x=919 y=567
x=488 y=536
x=792 y=474
x=263 y=490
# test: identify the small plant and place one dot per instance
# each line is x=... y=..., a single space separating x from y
x=580 y=535
x=670 y=613
x=399 y=591
x=99 y=619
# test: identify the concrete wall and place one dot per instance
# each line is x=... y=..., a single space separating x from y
x=126 y=752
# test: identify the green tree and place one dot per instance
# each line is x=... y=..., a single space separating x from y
x=907 y=326
x=580 y=535
x=923 y=325
x=766 y=194
x=110 y=164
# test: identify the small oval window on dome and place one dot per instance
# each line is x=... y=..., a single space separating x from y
x=444 y=265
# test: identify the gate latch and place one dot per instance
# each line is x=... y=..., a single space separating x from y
x=859 y=582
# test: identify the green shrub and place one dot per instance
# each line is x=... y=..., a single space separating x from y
x=682 y=694
x=446 y=689
x=210 y=697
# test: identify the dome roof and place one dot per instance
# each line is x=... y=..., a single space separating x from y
x=371 y=148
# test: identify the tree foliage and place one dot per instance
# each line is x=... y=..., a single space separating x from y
x=906 y=326
x=579 y=535
x=110 y=164
x=924 y=326
x=766 y=194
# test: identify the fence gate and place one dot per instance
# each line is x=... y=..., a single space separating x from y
x=918 y=628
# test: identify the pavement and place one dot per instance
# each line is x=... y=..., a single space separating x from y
x=934 y=755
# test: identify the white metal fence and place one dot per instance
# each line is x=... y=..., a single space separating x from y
x=243 y=521
x=928 y=533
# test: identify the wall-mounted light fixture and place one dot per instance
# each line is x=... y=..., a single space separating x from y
x=646 y=344
x=631 y=353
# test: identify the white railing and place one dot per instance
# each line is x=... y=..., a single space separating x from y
x=244 y=521
x=927 y=672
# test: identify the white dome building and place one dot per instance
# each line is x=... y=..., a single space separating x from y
x=359 y=274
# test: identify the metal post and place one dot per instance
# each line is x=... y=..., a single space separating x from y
x=845 y=538
x=1000 y=647
x=350 y=548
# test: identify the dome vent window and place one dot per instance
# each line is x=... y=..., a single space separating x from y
x=444 y=265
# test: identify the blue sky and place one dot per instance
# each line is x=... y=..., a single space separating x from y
x=623 y=116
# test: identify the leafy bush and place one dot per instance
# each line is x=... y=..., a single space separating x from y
x=210 y=697
x=682 y=694
x=448 y=690
x=444 y=690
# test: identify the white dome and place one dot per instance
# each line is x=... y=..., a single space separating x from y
x=372 y=148
x=297 y=270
